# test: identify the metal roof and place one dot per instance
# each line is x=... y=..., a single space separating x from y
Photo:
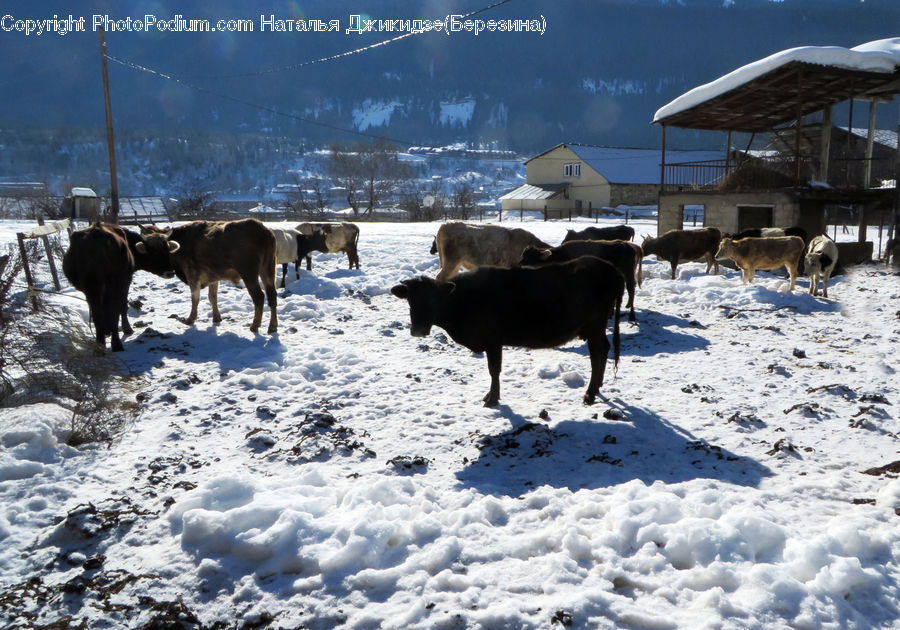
x=782 y=95
x=530 y=191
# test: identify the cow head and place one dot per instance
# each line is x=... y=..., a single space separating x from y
x=425 y=296
x=815 y=262
x=725 y=249
x=534 y=256
x=152 y=251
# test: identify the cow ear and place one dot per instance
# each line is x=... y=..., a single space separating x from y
x=826 y=260
x=174 y=246
x=140 y=247
x=401 y=291
x=448 y=287
x=145 y=229
x=545 y=254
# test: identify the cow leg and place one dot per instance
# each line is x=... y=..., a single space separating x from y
x=126 y=325
x=792 y=271
x=824 y=284
x=495 y=362
x=629 y=284
x=309 y=262
x=272 y=299
x=297 y=268
x=598 y=347
x=283 y=273
x=746 y=276
x=213 y=294
x=116 y=305
x=256 y=294
x=674 y=267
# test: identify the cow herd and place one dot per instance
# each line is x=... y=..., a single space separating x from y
x=518 y=290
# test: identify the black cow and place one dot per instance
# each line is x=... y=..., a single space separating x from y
x=531 y=307
x=99 y=263
x=621 y=254
x=683 y=245
x=615 y=233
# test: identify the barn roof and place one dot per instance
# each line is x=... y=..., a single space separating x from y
x=630 y=166
x=776 y=89
x=530 y=191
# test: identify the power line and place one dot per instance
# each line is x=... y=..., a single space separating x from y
x=271 y=110
x=348 y=53
x=265 y=108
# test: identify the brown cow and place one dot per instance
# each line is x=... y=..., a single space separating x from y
x=470 y=246
x=767 y=252
x=339 y=237
x=683 y=245
x=99 y=263
x=203 y=252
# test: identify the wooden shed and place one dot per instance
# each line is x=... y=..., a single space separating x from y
x=789 y=97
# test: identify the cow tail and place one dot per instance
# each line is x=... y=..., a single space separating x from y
x=617 y=342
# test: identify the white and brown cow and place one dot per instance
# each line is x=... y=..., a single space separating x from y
x=821 y=257
x=765 y=253
x=471 y=246
x=201 y=253
x=291 y=246
x=339 y=237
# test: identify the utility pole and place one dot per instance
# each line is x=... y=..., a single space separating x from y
x=113 y=214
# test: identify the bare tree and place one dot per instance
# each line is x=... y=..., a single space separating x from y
x=423 y=203
x=192 y=203
x=462 y=201
x=373 y=168
x=308 y=200
x=346 y=171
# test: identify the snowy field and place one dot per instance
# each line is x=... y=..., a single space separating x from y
x=343 y=474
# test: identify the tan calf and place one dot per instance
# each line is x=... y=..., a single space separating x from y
x=763 y=253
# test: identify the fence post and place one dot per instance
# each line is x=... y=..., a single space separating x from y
x=28 y=278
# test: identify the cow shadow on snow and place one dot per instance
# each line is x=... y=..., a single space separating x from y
x=599 y=452
x=230 y=350
x=653 y=335
x=322 y=287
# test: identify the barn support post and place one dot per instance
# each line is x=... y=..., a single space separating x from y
x=727 y=153
x=662 y=162
x=894 y=230
x=870 y=144
x=825 y=144
x=847 y=147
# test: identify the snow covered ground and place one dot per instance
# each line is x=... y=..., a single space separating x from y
x=343 y=474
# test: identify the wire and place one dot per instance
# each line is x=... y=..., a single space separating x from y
x=271 y=110
x=348 y=53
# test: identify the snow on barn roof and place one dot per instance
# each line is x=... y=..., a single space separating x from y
x=887 y=137
x=872 y=65
x=531 y=191
x=636 y=166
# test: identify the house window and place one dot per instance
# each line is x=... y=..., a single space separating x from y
x=573 y=169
